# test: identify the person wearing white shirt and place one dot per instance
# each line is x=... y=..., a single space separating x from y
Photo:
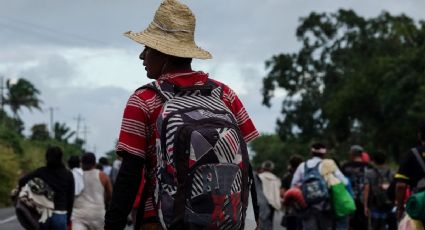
x=74 y=164
x=318 y=216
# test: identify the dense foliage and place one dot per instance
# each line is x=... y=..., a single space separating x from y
x=355 y=80
x=271 y=147
x=19 y=154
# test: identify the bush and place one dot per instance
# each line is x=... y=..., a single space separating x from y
x=9 y=173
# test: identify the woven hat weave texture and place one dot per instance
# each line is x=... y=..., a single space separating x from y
x=171 y=32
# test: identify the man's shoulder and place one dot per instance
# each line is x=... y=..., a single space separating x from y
x=226 y=89
x=66 y=173
x=145 y=91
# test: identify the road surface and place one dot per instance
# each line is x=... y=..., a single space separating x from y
x=8 y=220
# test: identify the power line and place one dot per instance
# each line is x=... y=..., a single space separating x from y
x=40 y=30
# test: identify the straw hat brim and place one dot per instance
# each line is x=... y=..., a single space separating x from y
x=168 y=46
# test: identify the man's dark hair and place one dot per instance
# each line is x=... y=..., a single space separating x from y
x=317 y=148
x=180 y=60
x=379 y=157
x=54 y=157
x=294 y=162
x=74 y=162
x=103 y=161
x=88 y=160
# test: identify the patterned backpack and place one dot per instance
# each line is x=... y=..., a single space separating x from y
x=204 y=174
x=314 y=187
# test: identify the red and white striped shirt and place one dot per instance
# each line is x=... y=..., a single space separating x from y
x=137 y=135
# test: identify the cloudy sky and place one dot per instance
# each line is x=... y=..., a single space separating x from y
x=75 y=54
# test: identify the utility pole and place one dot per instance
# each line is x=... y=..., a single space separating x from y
x=79 y=119
x=85 y=132
x=51 y=110
x=2 y=87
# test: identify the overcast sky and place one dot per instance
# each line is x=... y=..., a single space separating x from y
x=75 y=54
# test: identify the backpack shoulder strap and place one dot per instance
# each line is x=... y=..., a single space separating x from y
x=317 y=166
x=306 y=168
x=254 y=196
x=388 y=174
x=419 y=158
x=379 y=175
x=216 y=84
x=163 y=89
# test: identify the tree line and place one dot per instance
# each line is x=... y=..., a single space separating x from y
x=355 y=80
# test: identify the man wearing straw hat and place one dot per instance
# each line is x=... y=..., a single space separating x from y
x=169 y=49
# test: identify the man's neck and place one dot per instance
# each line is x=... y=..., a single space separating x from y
x=177 y=68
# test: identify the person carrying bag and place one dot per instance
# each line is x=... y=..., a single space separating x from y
x=341 y=200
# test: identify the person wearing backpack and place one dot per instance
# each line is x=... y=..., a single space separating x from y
x=355 y=170
x=318 y=214
x=411 y=173
x=203 y=171
x=377 y=204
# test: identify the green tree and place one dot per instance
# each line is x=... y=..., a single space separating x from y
x=22 y=94
x=39 y=132
x=62 y=132
x=79 y=143
x=355 y=80
x=271 y=147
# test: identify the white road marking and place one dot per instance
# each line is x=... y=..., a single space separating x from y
x=7 y=220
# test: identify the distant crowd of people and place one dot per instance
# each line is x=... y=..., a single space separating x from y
x=361 y=193
x=184 y=164
x=78 y=194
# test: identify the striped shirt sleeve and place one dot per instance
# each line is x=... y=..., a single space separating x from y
x=132 y=138
x=235 y=105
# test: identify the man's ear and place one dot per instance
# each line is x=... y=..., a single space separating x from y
x=166 y=61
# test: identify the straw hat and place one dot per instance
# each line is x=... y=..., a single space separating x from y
x=171 y=32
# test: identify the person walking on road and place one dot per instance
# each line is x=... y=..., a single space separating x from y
x=74 y=164
x=318 y=214
x=61 y=181
x=271 y=190
x=89 y=206
x=411 y=173
x=378 y=205
x=167 y=57
x=355 y=170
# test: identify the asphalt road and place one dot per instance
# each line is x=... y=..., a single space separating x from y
x=8 y=220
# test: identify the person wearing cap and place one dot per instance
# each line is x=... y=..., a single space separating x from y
x=355 y=170
x=167 y=56
x=317 y=216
